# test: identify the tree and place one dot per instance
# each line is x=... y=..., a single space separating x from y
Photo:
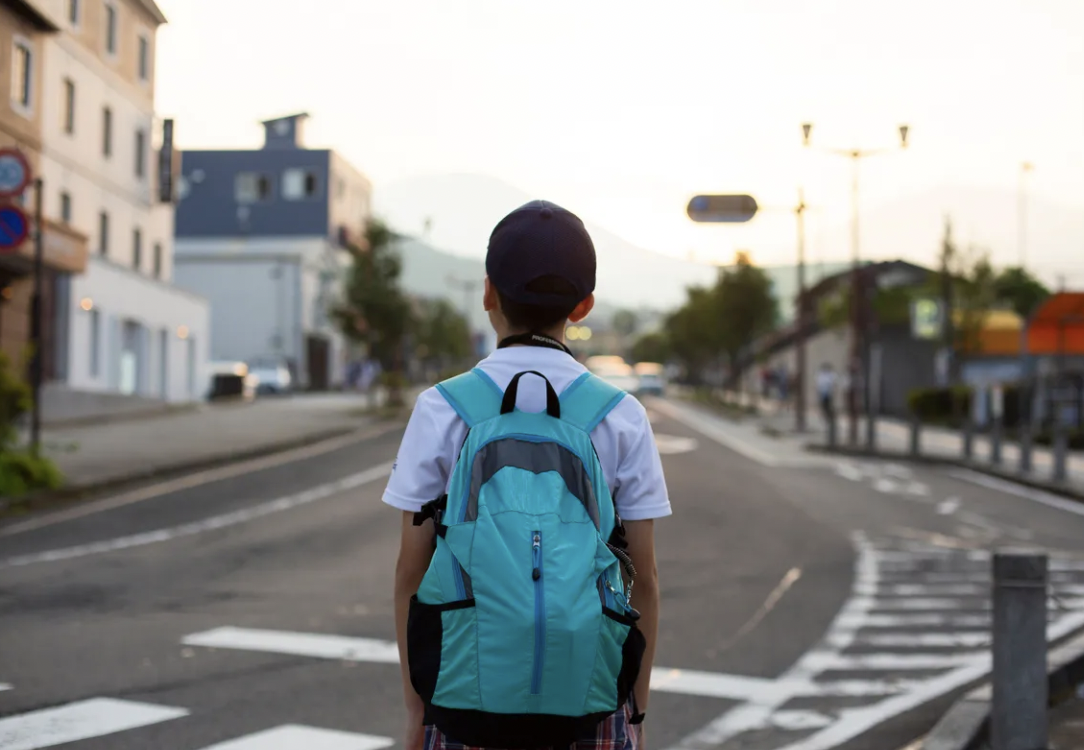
x=651 y=347
x=374 y=310
x=1021 y=291
x=441 y=333
x=625 y=322
x=745 y=306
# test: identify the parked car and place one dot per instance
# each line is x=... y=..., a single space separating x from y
x=620 y=375
x=272 y=379
x=230 y=380
x=651 y=377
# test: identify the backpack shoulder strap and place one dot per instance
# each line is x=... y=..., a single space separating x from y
x=587 y=401
x=473 y=395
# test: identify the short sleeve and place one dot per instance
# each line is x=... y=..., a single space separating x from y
x=426 y=455
x=639 y=484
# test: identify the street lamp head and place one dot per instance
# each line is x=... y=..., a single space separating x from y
x=806 y=128
x=903 y=135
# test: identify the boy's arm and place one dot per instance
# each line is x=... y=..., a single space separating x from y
x=415 y=552
x=640 y=536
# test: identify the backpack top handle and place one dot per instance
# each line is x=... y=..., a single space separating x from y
x=553 y=403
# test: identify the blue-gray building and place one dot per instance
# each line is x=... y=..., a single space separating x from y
x=262 y=235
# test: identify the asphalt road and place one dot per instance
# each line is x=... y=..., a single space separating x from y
x=828 y=604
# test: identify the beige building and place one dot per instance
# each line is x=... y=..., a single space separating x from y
x=25 y=28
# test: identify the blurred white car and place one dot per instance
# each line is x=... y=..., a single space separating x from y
x=271 y=379
x=651 y=377
x=620 y=375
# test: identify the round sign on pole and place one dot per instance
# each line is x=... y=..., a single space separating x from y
x=14 y=227
x=14 y=172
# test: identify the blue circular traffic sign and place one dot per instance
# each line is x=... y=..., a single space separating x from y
x=14 y=227
x=14 y=172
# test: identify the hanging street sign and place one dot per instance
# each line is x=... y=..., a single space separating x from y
x=14 y=172
x=729 y=209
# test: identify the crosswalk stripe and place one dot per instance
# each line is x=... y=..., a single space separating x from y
x=298 y=644
x=4 y=686
x=925 y=619
x=830 y=660
x=82 y=720
x=298 y=737
x=918 y=640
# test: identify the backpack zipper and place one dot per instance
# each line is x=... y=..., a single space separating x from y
x=539 y=614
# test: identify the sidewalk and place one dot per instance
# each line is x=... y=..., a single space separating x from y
x=894 y=436
x=90 y=455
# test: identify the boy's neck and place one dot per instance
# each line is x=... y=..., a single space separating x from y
x=557 y=334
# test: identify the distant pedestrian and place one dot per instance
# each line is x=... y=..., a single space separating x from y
x=826 y=391
x=515 y=626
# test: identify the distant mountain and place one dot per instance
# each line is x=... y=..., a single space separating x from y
x=429 y=272
x=464 y=209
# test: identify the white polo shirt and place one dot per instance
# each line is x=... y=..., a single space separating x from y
x=624 y=440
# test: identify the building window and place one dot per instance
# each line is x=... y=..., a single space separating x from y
x=298 y=184
x=140 y=154
x=95 y=342
x=111 y=28
x=22 y=74
x=107 y=132
x=66 y=207
x=103 y=234
x=69 y=106
x=137 y=249
x=157 y=260
x=144 y=58
x=73 y=12
x=251 y=187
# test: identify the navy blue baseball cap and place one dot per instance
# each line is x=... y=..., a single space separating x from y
x=541 y=239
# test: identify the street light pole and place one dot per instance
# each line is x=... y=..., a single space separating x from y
x=1022 y=213
x=859 y=366
x=800 y=379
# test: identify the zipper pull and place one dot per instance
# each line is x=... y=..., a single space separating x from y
x=536 y=543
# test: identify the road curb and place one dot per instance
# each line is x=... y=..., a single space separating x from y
x=70 y=493
x=1055 y=488
x=966 y=724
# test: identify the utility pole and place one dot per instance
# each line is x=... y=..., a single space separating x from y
x=859 y=363
x=800 y=376
x=37 y=327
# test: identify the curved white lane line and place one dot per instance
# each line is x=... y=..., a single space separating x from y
x=222 y=521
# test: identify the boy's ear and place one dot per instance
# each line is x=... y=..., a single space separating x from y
x=581 y=311
x=489 y=297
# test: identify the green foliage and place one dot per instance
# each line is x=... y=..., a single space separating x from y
x=721 y=321
x=1019 y=290
x=374 y=309
x=651 y=347
x=20 y=470
x=938 y=405
x=441 y=333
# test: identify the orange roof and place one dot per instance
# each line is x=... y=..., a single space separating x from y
x=1058 y=325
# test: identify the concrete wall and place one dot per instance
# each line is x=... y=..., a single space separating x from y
x=159 y=331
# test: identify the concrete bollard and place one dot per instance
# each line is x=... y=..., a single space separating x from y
x=1061 y=450
x=871 y=433
x=969 y=440
x=995 y=442
x=1018 y=718
x=916 y=431
x=1026 y=445
x=833 y=431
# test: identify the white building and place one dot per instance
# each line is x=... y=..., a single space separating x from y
x=124 y=328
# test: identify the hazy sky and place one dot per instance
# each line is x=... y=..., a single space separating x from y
x=623 y=110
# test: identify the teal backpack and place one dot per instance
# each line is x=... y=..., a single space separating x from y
x=521 y=634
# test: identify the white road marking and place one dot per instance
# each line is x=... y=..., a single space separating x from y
x=898 y=471
x=189 y=481
x=885 y=485
x=948 y=506
x=80 y=721
x=931 y=620
x=918 y=489
x=1038 y=496
x=298 y=644
x=4 y=686
x=671 y=444
x=706 y=426
x=931 y=589
x=709 y=684
x=825 y=660
x=297 y=737
x=849 y=471
x=288 y=502
x=920 y=640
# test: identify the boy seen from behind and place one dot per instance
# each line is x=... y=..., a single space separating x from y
x=526 y=589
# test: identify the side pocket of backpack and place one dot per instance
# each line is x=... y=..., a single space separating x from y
x=441 y=642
